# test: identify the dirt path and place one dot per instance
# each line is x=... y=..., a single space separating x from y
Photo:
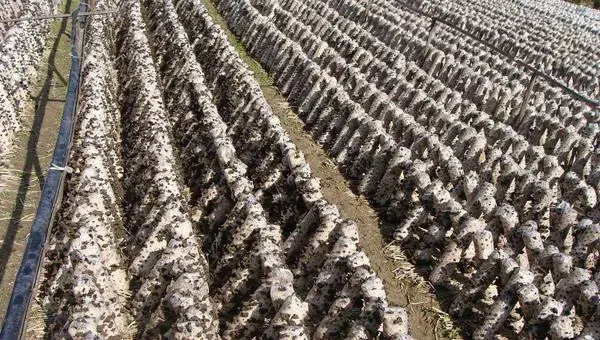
x=33 y=151
x=426 y=319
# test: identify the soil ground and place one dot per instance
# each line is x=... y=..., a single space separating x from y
x=32 y=151
x=427 y=321
x=587 y=3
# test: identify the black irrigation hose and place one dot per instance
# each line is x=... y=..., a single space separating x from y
x=16 y=315
x=550 y=79
x=22 y=293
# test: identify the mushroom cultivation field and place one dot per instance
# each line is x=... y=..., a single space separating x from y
x=497 y=209
x=21 y=47
x=189 y=212
x=559 y=38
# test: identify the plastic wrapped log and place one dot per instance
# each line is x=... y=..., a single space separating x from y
x=395 y=322
x=347 y=154
x=546 y=285
x=484 y=243
x=315 y=92
x=562 y=265
x=281 y=288
x=93 y=301
x=334 y=318
x=305 y=83
x=586 y=238
x=441 y=274
x=330 y=277
x=469 y=185
x=418 y=174
x=375 y=302
x=295 y=243
x=475 y=149
x=568 y=288
x=93 y=251
x=188 y=298
x=443 y=202
x=254 y=220
x=292 y=333
x=364 y=159
x=292 y=314
x=508 y=217
x=295 y=69
x=452 y=166
x=404 y=229
x=563 y=218
x=178 y=257
x=237 y=283
x=250 y=318
x=549 y=310
x=381 y=159
x=499 y=311
x=484 y=276
x=529 y=299
x=357 y=332
x=532 y=238
x=343 y=308
x=349 y=130
x=264 y=256
x=389 y=182
x=589 y=297
x=592 y=328
x=315 y=252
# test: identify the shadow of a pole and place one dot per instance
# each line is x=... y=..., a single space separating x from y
x=32 y=161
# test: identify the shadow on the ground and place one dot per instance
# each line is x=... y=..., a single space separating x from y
x=32 y=160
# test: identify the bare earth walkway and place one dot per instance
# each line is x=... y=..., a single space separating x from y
x=33 y=151
x=426 y=319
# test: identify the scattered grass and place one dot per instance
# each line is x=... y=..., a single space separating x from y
x=586 y=3
x=404 y=287
x=32 y=153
